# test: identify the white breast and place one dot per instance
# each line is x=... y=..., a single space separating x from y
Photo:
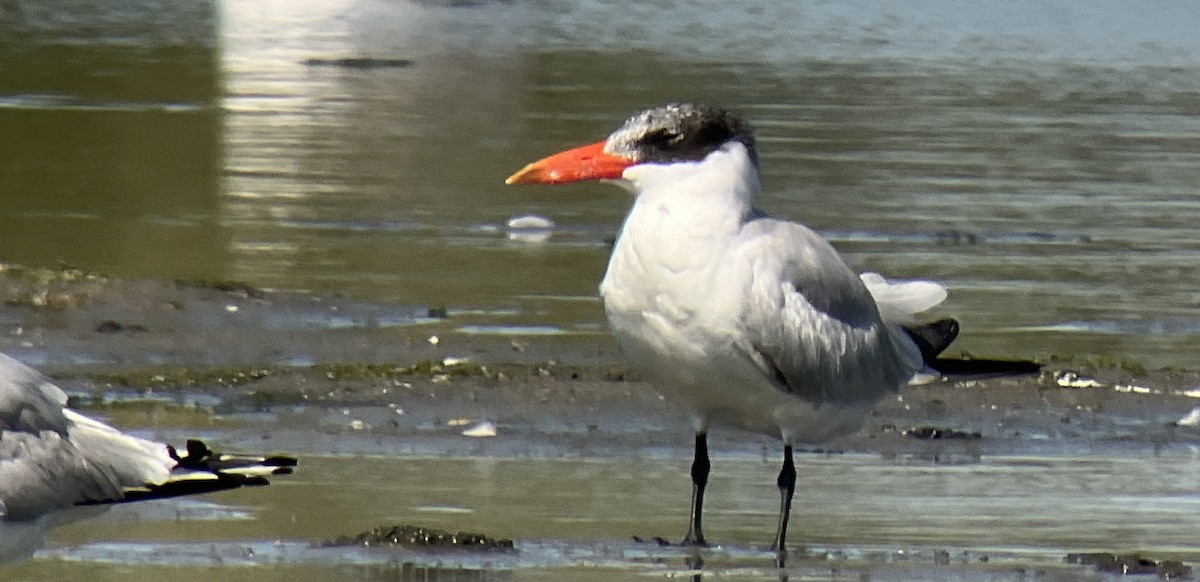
x=692 y=292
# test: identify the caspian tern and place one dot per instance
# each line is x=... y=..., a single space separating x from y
x=53 y=459
x=751 y=321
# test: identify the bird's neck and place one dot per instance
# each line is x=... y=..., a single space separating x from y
x=712 y=197
x=684 y=218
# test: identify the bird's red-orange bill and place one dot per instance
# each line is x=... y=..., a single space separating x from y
x=589 y=162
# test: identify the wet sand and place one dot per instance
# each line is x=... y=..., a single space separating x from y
x=235 y=349
x=969 y=479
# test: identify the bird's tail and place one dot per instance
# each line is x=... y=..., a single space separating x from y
x=934 y=337
x=899 y=303
x=201 y=470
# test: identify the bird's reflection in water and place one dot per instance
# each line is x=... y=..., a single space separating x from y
x=695 y=563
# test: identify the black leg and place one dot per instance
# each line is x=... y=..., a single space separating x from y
x=694 y=561
x=700 y=467
x=787 y=488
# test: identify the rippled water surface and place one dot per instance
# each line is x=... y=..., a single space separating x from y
x=1043 y=160
x=1004 y=519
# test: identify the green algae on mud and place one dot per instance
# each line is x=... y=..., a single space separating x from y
x=173 y=378
x=452 y=368
x=60 y=287
x=17 y=277
x=441 y=370
x=63 y=272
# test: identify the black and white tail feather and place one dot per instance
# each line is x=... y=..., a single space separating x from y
x=53 y=458
x=202 y=470
x=900 y=301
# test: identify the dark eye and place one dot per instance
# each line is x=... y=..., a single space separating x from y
x=662 y=138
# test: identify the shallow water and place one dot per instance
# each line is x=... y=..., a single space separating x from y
x=573 y=475
x=1039 y=160
x=1001 y=519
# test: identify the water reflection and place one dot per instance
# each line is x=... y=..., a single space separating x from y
x=315 y=146
x=1039 y=160
x=881 y=131
x=859 y=517
x=110 y=135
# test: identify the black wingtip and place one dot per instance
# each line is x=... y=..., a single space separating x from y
x=200 y=457
x=224 y=472
x=934 y=337
x=952 y=367
x=187 y=487
x=280 y=461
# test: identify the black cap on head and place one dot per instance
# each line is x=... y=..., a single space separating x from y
x=679 y=132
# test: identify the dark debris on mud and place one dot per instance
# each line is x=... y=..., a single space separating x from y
x=936 y=433
x=359 y=62
x=256 y=350
x=413 y=536
x=60 y=287
x=1132 y=564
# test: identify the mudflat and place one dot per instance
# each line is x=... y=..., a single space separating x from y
x=406 y=420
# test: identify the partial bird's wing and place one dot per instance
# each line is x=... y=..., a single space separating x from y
x=900 y=301
x=52 y=458
x=28 y=402
x=202 y=470
x=811 y=323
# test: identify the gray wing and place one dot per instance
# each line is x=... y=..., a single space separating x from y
x=812 y=325
x=52 y=458
x=28 y=402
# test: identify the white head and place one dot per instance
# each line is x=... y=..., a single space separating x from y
x=669 y=144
